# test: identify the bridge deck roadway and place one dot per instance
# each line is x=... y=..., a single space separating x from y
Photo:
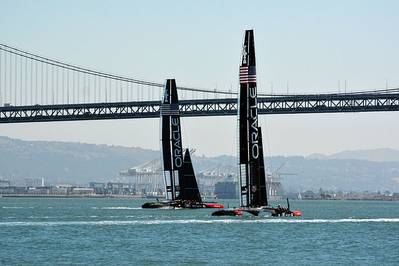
x=322 y=103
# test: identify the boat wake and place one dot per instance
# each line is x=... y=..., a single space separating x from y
x=197 y=221
x=118 y=208
x=15 y=207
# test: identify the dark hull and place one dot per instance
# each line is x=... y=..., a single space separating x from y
x=275 y=212
x=179 y=204
x=282 y=212
x=236 y=212
x=156 y=205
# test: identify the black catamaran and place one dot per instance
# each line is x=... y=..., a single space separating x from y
x=181 y=185
x=253 y=191
x=251 y=168
x=171 y=139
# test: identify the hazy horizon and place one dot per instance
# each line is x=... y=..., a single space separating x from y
x=301 y=47
x=209 y=156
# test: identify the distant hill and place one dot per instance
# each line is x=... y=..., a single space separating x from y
x=67 y=162
x=79 y=163
x=337 y=174
x=375 y=155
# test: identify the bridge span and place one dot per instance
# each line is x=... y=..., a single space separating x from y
x=34 y=88
x=292 y=104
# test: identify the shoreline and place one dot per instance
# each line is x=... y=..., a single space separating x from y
x=161 y=198
x=72 y=196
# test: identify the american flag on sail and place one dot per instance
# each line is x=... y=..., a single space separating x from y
x=170 y=109
x=247 y=74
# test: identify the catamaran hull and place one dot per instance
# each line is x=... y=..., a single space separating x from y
x=180 y=205
x=282 y=212
x=236 y=212
x=157 y=205
x=274 y=212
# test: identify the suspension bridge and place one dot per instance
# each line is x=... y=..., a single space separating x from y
x=34 y=88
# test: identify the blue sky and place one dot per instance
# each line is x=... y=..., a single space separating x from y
x=309 y=45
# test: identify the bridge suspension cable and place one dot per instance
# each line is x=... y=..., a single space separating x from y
x=30 y=79
x=60 y=64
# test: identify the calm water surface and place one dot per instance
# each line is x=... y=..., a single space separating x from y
x=117 y=232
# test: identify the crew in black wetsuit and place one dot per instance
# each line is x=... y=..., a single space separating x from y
x=279 y=210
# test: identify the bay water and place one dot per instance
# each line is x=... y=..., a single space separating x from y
x=109 y=231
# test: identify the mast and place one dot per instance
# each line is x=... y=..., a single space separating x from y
x=172 y=152
x=262 y=193
x=251 y=165
x=188 y=183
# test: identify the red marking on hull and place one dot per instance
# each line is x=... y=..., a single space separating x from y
x=297 y=213
x=237 y=212
x=214 y=205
